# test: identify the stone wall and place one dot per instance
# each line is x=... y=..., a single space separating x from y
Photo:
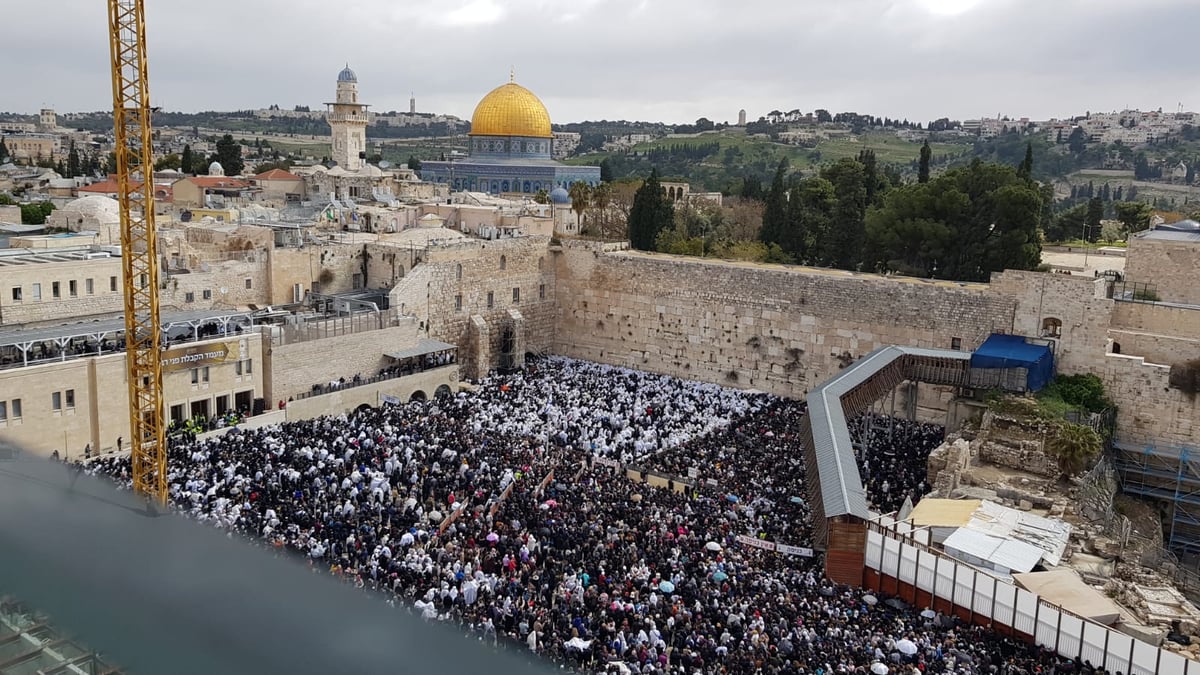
x=1172 y=267
x=1147 y=317
x=1078 y=304
x=1164 y=349
x=777 y=329
x=349 y=399
x=327 y=268
x=226 y=284
x=1149 y=411
x=454 y=283
x=296 y=367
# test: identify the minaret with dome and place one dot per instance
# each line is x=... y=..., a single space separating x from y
x=347 y=119
x=510 y=149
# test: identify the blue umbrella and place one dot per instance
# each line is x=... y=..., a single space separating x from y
x=719 y=576
x=666 y=587
x=732 y=498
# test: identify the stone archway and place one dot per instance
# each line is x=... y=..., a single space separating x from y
x=418 y=395
x=362 y=408
x=443 y=391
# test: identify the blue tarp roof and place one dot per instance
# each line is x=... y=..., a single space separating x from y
x=1012 y=351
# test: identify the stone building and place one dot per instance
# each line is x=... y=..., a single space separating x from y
x=347 y=118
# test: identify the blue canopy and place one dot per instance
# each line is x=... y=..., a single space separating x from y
x=1012 y=351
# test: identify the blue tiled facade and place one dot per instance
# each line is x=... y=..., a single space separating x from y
x=508 y=164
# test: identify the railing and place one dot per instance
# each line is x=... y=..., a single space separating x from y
x=917 y=573
x=322 y=389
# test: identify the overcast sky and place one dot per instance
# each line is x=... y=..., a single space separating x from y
x=660 y=60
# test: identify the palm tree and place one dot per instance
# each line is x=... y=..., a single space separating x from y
x=1074 y=446
x=580 y=194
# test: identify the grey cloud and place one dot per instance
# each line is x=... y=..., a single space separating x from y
x=670 y=60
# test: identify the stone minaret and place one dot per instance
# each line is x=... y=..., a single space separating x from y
x=348 y=121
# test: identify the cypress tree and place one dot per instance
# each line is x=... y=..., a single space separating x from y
x=1025 y=170
x=185 y=163
x=774 y=222
x=923 y=170
x=650 y=214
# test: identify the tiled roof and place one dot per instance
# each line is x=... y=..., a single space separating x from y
x=277 y=174
x=218 y=182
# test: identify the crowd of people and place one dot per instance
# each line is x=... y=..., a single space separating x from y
x=892 y=458
x=487 y=510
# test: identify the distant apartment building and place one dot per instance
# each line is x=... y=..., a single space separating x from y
x=31 y=147
x=565 y=143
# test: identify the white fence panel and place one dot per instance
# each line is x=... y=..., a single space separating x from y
x=1174 y=664
x=891 y=557
x=1070 y=635
x=927 y=572
x=1145 y=657
x=963 y=585
x=1006 y=597
x=1093 y=643
x=874 y=549
x=1047 y=626
x=908 y=564
x=945 y=578
x=1119 y=645
x=1027 y=611
x=985 y=588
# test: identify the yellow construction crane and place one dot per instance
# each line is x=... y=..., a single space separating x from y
x=139 y=255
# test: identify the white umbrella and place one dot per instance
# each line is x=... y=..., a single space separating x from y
x=713 y=546
x=906 y=647
x=435 y=516
x=928 y=613
x=879 y=669
x=577 y=643
x=870 y=599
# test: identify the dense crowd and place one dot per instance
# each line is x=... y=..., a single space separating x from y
x=892 y=458
x=485 y=510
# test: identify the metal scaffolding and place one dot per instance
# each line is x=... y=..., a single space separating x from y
x=1171 y=476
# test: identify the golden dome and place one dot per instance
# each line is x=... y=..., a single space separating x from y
x=511 y=110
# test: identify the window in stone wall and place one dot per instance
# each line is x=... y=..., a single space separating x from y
x=3 y=411
x=206 y=294
x=190 y=296
x=516 y=295
x=37 y=292
x=55 y=289
x=1051 y=327
x=16 y=408
x=16 y=293
x=542 y=292
x=73 y=288
x=70 y=397
x=458 y=303
x=249 y=284
x=458 y=273
x=491 y=300
x=956 y=343
x=542 y=264
x=89 y=285
x=56 y=400
x=112 y=284
x=503 y=262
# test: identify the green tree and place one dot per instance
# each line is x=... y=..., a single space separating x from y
x=774 y=223
x=650 y=214
x=74 y=165
x=810 y=211
x=1073 y=447
x=581 y=194
x=1095 y=213
x=923 y=168
x=171 y=161
x=4 y=155
x=229 y=155
x=606 y=171
x=964 y=225
x=187 y=160
x=842 y=244
x=7 y=200
x=414 y=163
x=1077 y=141
x=1025 y=170
x=542 y=197
x=1134 y=216
x=36 y=213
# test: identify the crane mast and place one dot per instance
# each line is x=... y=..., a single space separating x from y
x=139 y=256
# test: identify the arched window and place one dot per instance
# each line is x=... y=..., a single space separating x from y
x=503 y=262
x=458 y=273
x=1051 y=327
x=1116 y=347
x=542 y=263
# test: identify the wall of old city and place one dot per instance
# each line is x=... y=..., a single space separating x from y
x=227 y=284
x=454 y=283
x=1171 y=267
x=1149 y=411
x=777 y=329
x=1078 y=304
x=325 y=268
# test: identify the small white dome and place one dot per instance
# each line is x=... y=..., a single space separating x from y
x=215 y=169
x=98 y=207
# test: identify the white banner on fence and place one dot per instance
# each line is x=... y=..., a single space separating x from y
x=604 y=461
x=756 y=542
x=388 y=399
x=693 y=473
x=794 y=550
